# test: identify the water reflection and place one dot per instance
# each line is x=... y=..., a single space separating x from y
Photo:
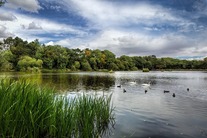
x=67 y=82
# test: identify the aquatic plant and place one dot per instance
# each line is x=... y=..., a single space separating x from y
x=111 y=71
x=145 y=70
x=27 y=110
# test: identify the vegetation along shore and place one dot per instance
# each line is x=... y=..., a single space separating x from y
x=19 y=55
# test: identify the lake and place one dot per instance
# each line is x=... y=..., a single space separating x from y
x=141 y=112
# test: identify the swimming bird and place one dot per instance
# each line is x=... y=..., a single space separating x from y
x=119 y=86
x=124 y=90
x=173 y=95
x=166 y=91
x=188 y=89
x=146 y=84
x=145 y=91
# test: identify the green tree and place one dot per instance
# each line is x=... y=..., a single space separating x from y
x=32 y=48
x=119 y=64
x=26 y=62
x=204 y=65
x=93 y=63
x=127 y=62
x=150 y=62
x=160 y=64
x=109 y=59
x=73 y=55
x=77 y=65
x=55 y=57
x=100 y=58
x=20 y=48
x=112 y=66
x=15 y=50
x=139 y=62
x=85 y=65
x=5 y=60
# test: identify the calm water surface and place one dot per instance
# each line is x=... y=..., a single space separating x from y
x=153 y=114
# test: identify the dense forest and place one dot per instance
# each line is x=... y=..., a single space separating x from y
x=19 y=55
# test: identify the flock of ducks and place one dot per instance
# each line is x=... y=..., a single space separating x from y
x=148 y=85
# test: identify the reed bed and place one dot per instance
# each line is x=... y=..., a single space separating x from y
x=26 y=110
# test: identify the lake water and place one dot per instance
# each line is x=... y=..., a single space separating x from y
x=140 y=114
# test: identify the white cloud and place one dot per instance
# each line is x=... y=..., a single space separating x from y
x=5 y=16
x=116 y=20
x=49 y=43
x=73 y=43
x=4 y=33
x=107 y=14
x=27 y=5
x=130 y=43
x=139 y=44
x=64 y=42
x=56 y=7
x=24 y=28
x=200 y=49
x=34 y=25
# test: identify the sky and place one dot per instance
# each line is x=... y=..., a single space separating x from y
x=165 y=28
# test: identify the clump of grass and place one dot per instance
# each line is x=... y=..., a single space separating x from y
x=26 y=110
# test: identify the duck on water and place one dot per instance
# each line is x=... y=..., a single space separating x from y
x=119 y=86
x=166 y=91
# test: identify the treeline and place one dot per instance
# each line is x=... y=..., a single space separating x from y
x=17 y=54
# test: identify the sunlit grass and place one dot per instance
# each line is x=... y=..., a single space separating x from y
x=26 y=110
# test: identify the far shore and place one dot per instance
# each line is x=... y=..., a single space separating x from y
x=109 y=71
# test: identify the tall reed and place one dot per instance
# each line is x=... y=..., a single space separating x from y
x=26 y=110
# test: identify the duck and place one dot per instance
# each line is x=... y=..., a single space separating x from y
x=124 y=90
x=166 y=91
x=173 y=95
x=119 y=86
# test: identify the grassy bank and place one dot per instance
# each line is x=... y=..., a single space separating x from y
x=27 y=110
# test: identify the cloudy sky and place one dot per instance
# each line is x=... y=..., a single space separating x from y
x=173 y=28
